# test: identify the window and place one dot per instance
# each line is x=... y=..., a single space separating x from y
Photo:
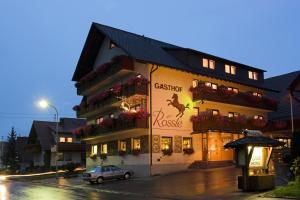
x=195 y=83
x=258 y=117
x=253 y=75
x=136 y=144
x=94 y=149
x=111 y=116
x=196 y=111
x=257 y=94
x=67 y=156
x=122 y=146
x=69 y=139
x=287 y=142
x=166 y=143
x=187 y=143
x=235 y=90
x=230 y=69
x=112 y=45
x=212 y=85
x=99 y=120
x=233 y=114
x=62 y=139
x=207 y=63
x=215 y=112
x=103 y=148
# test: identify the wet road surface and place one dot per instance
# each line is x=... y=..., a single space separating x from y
x=214 y=184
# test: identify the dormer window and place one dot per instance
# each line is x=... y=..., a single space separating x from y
x=252 y=75
x=235 y=90
x=112 y=45
x=212 y=85
x=257 y=94
x=207 y=63
x=230 y=69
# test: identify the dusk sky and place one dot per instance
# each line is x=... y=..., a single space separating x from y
x=41 y=41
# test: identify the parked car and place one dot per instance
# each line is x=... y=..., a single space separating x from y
x=101 y=173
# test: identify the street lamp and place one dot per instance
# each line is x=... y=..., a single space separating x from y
x=45 y=104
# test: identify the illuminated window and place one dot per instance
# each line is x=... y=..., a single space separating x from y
x=187 y=143
x=230 y=69
x=214 y=86
x=205 y=62
x=257 y=94
x=196 y=111
x=94 y=149
x=207 y=84
x=258 y=117
x=111 y=116
x=122 y=145
x=136 y=144
x=195 y=83
x=99 y=120
x=215 y=112
x=208 y=63
x=235 y=90
x=103 y=148
x=233 y=114
x=252 y=75
x=166 y=143
x=112 y=45
x=69 y=139
x=62 y=139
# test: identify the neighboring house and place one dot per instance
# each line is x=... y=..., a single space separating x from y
x=280 y=125
x=3 y=150
x=25 y=157
x=157 y=108
x=42 y=139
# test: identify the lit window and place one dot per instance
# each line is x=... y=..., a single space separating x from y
x=233 y=114
x=99 y=120
x=215 y=112
x=166 y=143
x=136 y=144
x=111 y=116
x=122 y=146
x=195 y=83
x=235 y=90
x=112 y=45
x=196 y=111
x=94 y=149
x=207 y=84
x=253 y=75
x=103 y=148
x=187 y=143
x=230 y=69
x=62 y=139
x=214 y=86
x=205 y=62
x=208 y=63
x=69 y=139
x=258 y=117
x=257 y=94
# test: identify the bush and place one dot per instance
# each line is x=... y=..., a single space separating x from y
x=295 y=168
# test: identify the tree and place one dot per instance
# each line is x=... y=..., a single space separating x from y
x=11 y=159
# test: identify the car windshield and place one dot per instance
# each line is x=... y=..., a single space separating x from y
x=95 y=169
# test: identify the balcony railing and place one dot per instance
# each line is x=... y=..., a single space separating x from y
x=65 y=146
x=137 y=86
x=208 y=122
x=114 y=68
x=223 y=95
x=125 y=122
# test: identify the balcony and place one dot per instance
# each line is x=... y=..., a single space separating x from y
x=131 y=121
x=110 y=99
x=119 y=67
x=205 y=122
x=223 y=95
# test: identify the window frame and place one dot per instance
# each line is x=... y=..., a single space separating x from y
x=191 y=143
x=170 y=143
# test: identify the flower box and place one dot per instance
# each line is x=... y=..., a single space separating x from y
x=136 y=152
x=103 y=156
x=188 y=151
x=122 y=153
x=93 y=156
x=167 y=152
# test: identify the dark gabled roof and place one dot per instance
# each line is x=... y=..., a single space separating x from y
x=254 y=141
x=282 y=83
x=147 y=50
x=43 y=130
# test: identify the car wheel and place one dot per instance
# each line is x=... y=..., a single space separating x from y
x=99 y=180
x=92 y=182
x=127 y=176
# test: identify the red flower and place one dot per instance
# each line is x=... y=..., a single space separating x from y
x=102 y=68
x=280 y=124
x=108 y=123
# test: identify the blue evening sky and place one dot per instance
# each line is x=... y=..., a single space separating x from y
x=40 y=42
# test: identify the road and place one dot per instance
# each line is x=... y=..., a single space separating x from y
x=214 y=184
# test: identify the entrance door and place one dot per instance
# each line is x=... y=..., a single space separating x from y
x=204 y=147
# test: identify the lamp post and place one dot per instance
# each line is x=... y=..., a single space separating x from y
x=45 y=104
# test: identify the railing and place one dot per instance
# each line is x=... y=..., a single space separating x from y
x=106 y=98
x=104 y=71
x=202 y=92
x=111 y=125
x=65 y=146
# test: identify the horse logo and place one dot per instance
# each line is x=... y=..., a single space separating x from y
x=180 y=107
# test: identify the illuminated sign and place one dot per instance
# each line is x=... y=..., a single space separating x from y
x=257 y=157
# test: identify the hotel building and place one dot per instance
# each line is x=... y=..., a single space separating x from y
x=157 y=108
